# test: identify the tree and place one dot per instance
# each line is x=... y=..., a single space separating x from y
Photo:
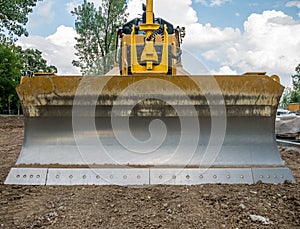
x=97 y=34
x=295 y=94
x=296 y=79
x=295 y=97
x=10 y=65
x=285 y=99
x=15 y=62
x=292 y=95
x=33 y=61
x=13 y=17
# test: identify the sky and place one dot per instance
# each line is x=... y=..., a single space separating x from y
x=222 y=36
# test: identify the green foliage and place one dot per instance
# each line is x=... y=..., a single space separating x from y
x=15 y=62
x=13 y=17
x=97 y=34
x=33 y=61
x=295 y=95
x=296 y=79
x=292 y=95
x=10 y=65
x=285 y=98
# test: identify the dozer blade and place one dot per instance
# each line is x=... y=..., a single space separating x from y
x=141 y=130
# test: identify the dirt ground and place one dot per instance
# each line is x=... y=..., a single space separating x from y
x=204 y=206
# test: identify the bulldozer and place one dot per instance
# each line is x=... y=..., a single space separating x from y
x=148 y=121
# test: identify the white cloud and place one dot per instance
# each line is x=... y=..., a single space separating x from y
x=225 y=70
x=269 y=43
x=293 y=3
x=208 y=37
x=58 y=48
x=162 y=9
x=183 y=8
x=64 y=36
x=135 y=8
x=212 y=2
x=43 y=13
x=71 y=5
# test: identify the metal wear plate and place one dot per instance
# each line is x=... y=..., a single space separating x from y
x=146 y=176
x=200 y=176
x=98 y=177
x=26 y=176
x=272 y=175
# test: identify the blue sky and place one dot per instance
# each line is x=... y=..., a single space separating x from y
x=235 y=13
x=227 y=36
x=230 y=14
x=48 y=16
